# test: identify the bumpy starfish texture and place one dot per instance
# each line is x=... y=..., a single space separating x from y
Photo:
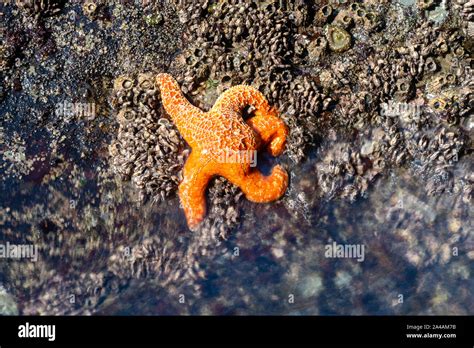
x=223 y=144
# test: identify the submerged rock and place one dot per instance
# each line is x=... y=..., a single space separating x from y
x=379 y=154
x=8 y=304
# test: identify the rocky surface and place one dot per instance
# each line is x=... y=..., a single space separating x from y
x=377 y=95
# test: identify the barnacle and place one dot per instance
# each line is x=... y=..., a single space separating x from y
x=317 y=48
x=146 y=82
x=339 y=40
x=344 y=19
x=371 y=20
x=325 y=13
x=438 y=104
x=430 y=65
x=90 y=8
x=123 y=83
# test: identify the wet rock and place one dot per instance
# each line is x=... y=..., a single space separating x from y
x=8 y=304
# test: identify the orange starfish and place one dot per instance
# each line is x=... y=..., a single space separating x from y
x=224 y=144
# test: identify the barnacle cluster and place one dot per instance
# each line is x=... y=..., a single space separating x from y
x=102 y=250
x=37 y=8
x=5 y=55
x=334 y=23
x=150 y=152
x=223 y=214
x=385 y=97
x=253 y=47
x=347 y=172
x=467 y=9
x=147 y=148
x=10 y=45
x=354 y=92
x=227 y=47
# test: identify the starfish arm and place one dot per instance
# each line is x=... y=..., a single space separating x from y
x=192 y=190
x=263 y=189
x=272 y=131
x=238 y=97
x=181 y=111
